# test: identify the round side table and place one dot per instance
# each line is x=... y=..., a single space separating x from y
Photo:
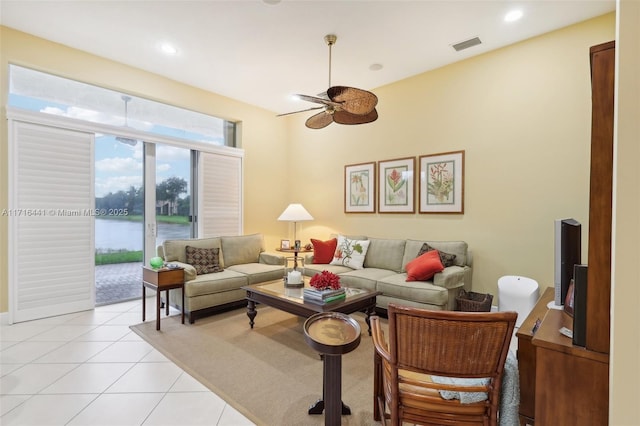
x=332 y=334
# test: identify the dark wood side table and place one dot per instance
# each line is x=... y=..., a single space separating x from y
x=159 y=280
x=332 y=334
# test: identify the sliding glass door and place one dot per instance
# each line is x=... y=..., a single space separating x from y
x=119 y=207
x=173 y=193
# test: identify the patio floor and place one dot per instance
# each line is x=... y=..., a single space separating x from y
x=118 y=282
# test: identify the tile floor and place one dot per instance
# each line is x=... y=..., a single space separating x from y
x=89 y=368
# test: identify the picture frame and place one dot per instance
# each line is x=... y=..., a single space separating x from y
x=285 y=244
x=569 y=299
x=442 y=183
x=396 y=185
x=360 y=188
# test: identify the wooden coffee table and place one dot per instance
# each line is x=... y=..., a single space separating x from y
x=276 y=295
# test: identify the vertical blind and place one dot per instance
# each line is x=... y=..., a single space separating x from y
x=51 y=201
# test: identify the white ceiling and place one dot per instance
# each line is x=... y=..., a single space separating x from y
x=261 y=53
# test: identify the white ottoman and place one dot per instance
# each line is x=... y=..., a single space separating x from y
x=518 y=294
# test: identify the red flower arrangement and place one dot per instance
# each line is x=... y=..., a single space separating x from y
x=325 y=280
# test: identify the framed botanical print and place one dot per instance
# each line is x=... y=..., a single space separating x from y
x=396 y=185
x=360 y=188
x=442 y=183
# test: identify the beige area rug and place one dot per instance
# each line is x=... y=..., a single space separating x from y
x=269 y=373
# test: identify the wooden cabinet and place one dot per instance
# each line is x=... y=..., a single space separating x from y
x=572 y=383
x=600 y=198
x=560 y=384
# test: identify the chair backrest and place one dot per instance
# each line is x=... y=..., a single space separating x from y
x=447 y=344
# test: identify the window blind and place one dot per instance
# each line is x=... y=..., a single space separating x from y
x=51 y=222
x=220 y=195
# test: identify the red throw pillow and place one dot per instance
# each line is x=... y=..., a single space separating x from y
x=424 y=266
x=323 y=250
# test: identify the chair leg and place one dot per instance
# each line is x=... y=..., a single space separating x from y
x=377 y=387
x=382 y=413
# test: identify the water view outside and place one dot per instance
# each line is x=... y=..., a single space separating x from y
x=124 y=235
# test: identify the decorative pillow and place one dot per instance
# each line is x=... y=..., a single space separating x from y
x=350 y=253
x=447 y=259
x=424 y=267
x=205 y=260
x=323 y=250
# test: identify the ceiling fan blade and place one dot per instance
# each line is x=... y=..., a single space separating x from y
x=319 y=120
x=344 y=117
x=355 y=101
x=318 y=100
x=296 y=112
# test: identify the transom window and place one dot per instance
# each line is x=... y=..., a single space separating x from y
x=37 y=91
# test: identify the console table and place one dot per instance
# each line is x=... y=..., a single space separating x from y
x=560 y=384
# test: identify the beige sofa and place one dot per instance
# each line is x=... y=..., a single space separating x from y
x=244 y=261
x=384 y=271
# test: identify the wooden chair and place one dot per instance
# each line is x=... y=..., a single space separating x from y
x=425 y=344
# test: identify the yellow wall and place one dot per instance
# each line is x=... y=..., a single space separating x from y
x=523 y=116
x=263 y=136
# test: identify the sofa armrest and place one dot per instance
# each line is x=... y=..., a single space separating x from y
x=189 y=270
x=450 y=277
x=271 y=259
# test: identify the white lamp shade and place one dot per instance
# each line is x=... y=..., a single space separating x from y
x=295 y=213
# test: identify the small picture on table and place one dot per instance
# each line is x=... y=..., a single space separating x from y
x=285 y=244
x=297 y=245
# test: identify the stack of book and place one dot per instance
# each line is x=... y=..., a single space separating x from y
x=321 y=297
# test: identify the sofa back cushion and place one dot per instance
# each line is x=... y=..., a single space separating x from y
x=459 y=248
x=385 y=254
x=242 y=249
x=176 y=250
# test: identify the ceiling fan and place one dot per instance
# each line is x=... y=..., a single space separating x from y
x=122 y=139
x=340 y=104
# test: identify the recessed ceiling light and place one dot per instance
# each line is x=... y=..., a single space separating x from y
x=271 y=1
x=168 y=49
x=375 y=67
x=512 y=16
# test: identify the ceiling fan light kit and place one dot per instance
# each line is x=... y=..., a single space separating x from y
x=342 y=104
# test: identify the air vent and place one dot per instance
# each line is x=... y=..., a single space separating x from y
x=467 y=44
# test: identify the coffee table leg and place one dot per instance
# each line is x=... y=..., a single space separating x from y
x=251 y=311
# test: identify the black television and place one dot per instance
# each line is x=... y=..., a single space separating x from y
x=567 y=254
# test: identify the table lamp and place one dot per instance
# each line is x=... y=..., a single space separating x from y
x=295 y=213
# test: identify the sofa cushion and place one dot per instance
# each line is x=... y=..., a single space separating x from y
x=242 y=249
x=424 y=267
x=323 y=250
x=417 y=291
x=350 y=253
x=259 y=272
x=459 y=248
x=447 y=259
x=385 y=254
x=310 y=269
x=205 y=260
x=175 y=250
x=215 y=283
x=365 y=278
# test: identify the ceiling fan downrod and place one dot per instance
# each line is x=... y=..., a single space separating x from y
x=331 y=40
